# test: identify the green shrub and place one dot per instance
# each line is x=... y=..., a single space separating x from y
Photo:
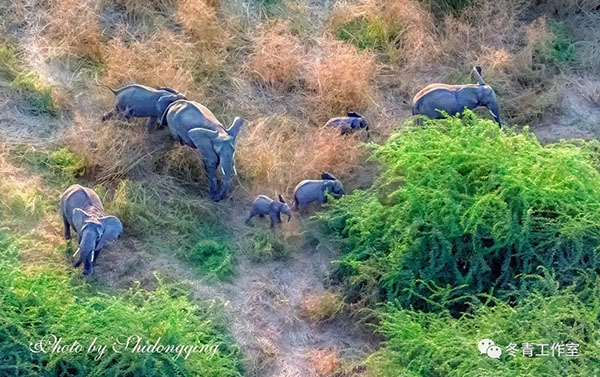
x=43 y=302
x=26 y=82
x=436 y=344
x=213 y=257
x=463 y=205
x=367 y=33
x=266 y=245
x=58 y=166
x=563 y=50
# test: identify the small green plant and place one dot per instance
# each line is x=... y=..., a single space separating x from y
x=563 y=50
x=26 y=82
x=266 y=245
x=213 y=257
x=60 y=166
x=370 y=33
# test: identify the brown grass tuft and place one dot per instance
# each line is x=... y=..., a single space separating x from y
x=144 y=8
x=324 y=363
x=185 y=163
x=322 y=307
x=199 y=20
x=340 y=78
x=276 y=57
x=162 y=60
x=74 y=27
x=278 y=152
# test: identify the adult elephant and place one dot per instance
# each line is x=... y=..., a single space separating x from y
x=196 y=126
x=453 y=99
x=82 y=210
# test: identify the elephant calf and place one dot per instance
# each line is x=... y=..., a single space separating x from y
x=82 y=210
x=142 y=101
x=309 y=191
x=454 y=98
x=263 y=205
x=349 y=124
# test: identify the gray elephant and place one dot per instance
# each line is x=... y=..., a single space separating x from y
x=82 y=209
x=194 y=125
x=454 y=98
x=142 y=101
x=349 y=124
x=263 y=205
x=309 y=191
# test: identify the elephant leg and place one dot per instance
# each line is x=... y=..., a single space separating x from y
x=211 y=171
x=252 y=214
x=67 y=229
x=224 y=187
x=109 y=114
x=279 y=218
x=149 y=123
x=127 y=113
x=272 y=217
x=88 y=269
x=96 y=255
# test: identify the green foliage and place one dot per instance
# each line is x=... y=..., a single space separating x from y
x=563 y=50
x=59 y=166
x=267 y=245
x=26 y=82
x=370 y=33
x=174 y=223
x=464 y=206
x=436 y=344
x=43 y=302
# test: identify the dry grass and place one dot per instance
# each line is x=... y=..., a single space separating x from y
x=277 y=152
x=198 y=19
x=74 y=28
x=324 y=363
x=322 y=307
x=143 y=8
x=340 y=79
x=276 y=57
x=165 y=59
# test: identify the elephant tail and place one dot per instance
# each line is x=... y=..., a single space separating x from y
x=114 y=91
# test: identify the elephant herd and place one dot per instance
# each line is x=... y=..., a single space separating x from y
x=193 y=125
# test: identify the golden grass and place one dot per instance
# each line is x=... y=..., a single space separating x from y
x=198 y=18
x=74 y=27
x=277 y=152
x=276 y=57
x=322 y=307
x=164 y=59
x=340 y=78
x=324 y=363
x=143 y=8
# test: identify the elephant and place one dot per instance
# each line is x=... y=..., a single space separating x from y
x=263 y=205
x=194 y=125
x=309 y=191
x=349 y=124
x=142 y=101
x=82 y=210
x=454 y=99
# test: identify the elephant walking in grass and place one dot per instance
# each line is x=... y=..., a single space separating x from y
x=194 y=125
x=349 y=124
x=82 y=210
x=453 y=99
x=309 y=191
x=263 y=205
x=142 y=101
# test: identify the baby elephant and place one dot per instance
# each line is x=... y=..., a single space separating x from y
x=349 y=124
x=82 y=210
x=309 y=191
x=142 y=101
x=263 y=205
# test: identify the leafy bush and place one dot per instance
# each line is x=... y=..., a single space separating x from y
x=463 y=205
x=59 y=166
x=369 y=33
x=43 y=302
x=211 y=256
x=436 y=344
x=26 y=82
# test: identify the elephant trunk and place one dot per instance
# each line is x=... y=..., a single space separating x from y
x=289 y=217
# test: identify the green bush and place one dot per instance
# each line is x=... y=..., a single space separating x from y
x=464 y=206
x=436 y=344
x=58 y=166
x=43 y=302
x=266 y=245
x=26 y=82
x=367 y=33
x=213 y=257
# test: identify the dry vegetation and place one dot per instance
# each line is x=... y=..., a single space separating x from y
x=322 y=307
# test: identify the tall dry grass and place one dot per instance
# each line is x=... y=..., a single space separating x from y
x=277 y=56
x=199 y=20
x=340 y=79
x=277 y=152
x=74 y=27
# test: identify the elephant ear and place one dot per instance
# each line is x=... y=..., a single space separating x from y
x=281 y=199
x=327 y=176
x=328 y=185
x=354 y=114
x=204 y=139
x=237 y=124
x=112 y=229
x=79 y=218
